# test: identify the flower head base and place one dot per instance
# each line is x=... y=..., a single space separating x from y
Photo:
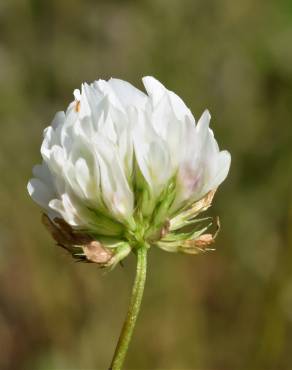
x=121 y=167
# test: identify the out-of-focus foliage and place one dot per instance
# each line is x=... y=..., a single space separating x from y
x=231 y=309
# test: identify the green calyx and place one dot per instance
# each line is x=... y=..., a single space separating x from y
x=183 y=232
x=108 y=241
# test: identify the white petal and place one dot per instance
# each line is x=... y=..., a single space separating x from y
x=203 y=123
x=127 y=93
x=40 y=192
x=83 y=177
x=77 y=94
x=154 y=88
x=70 y=210
x=179 y=107
x=84 y=109
x=58 y=119
x=42 y=172
x=223 y=166
x=116 y=192
x=152 y=156
x=156 y=91
x=47 y=143
x=107 y=90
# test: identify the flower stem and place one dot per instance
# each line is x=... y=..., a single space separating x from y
x=133 y=311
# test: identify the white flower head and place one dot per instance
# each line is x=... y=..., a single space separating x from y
x=121 y=165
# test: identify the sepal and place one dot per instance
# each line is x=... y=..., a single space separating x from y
x=187 y=216
x=193 y=242
x=106 y=252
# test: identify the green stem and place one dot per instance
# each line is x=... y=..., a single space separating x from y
x=133 y=311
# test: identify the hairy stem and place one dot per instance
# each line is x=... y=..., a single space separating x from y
x=133 y=311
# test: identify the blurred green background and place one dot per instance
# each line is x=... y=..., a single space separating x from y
x=227 y=310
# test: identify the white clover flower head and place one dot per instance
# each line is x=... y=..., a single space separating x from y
x=121 y=166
